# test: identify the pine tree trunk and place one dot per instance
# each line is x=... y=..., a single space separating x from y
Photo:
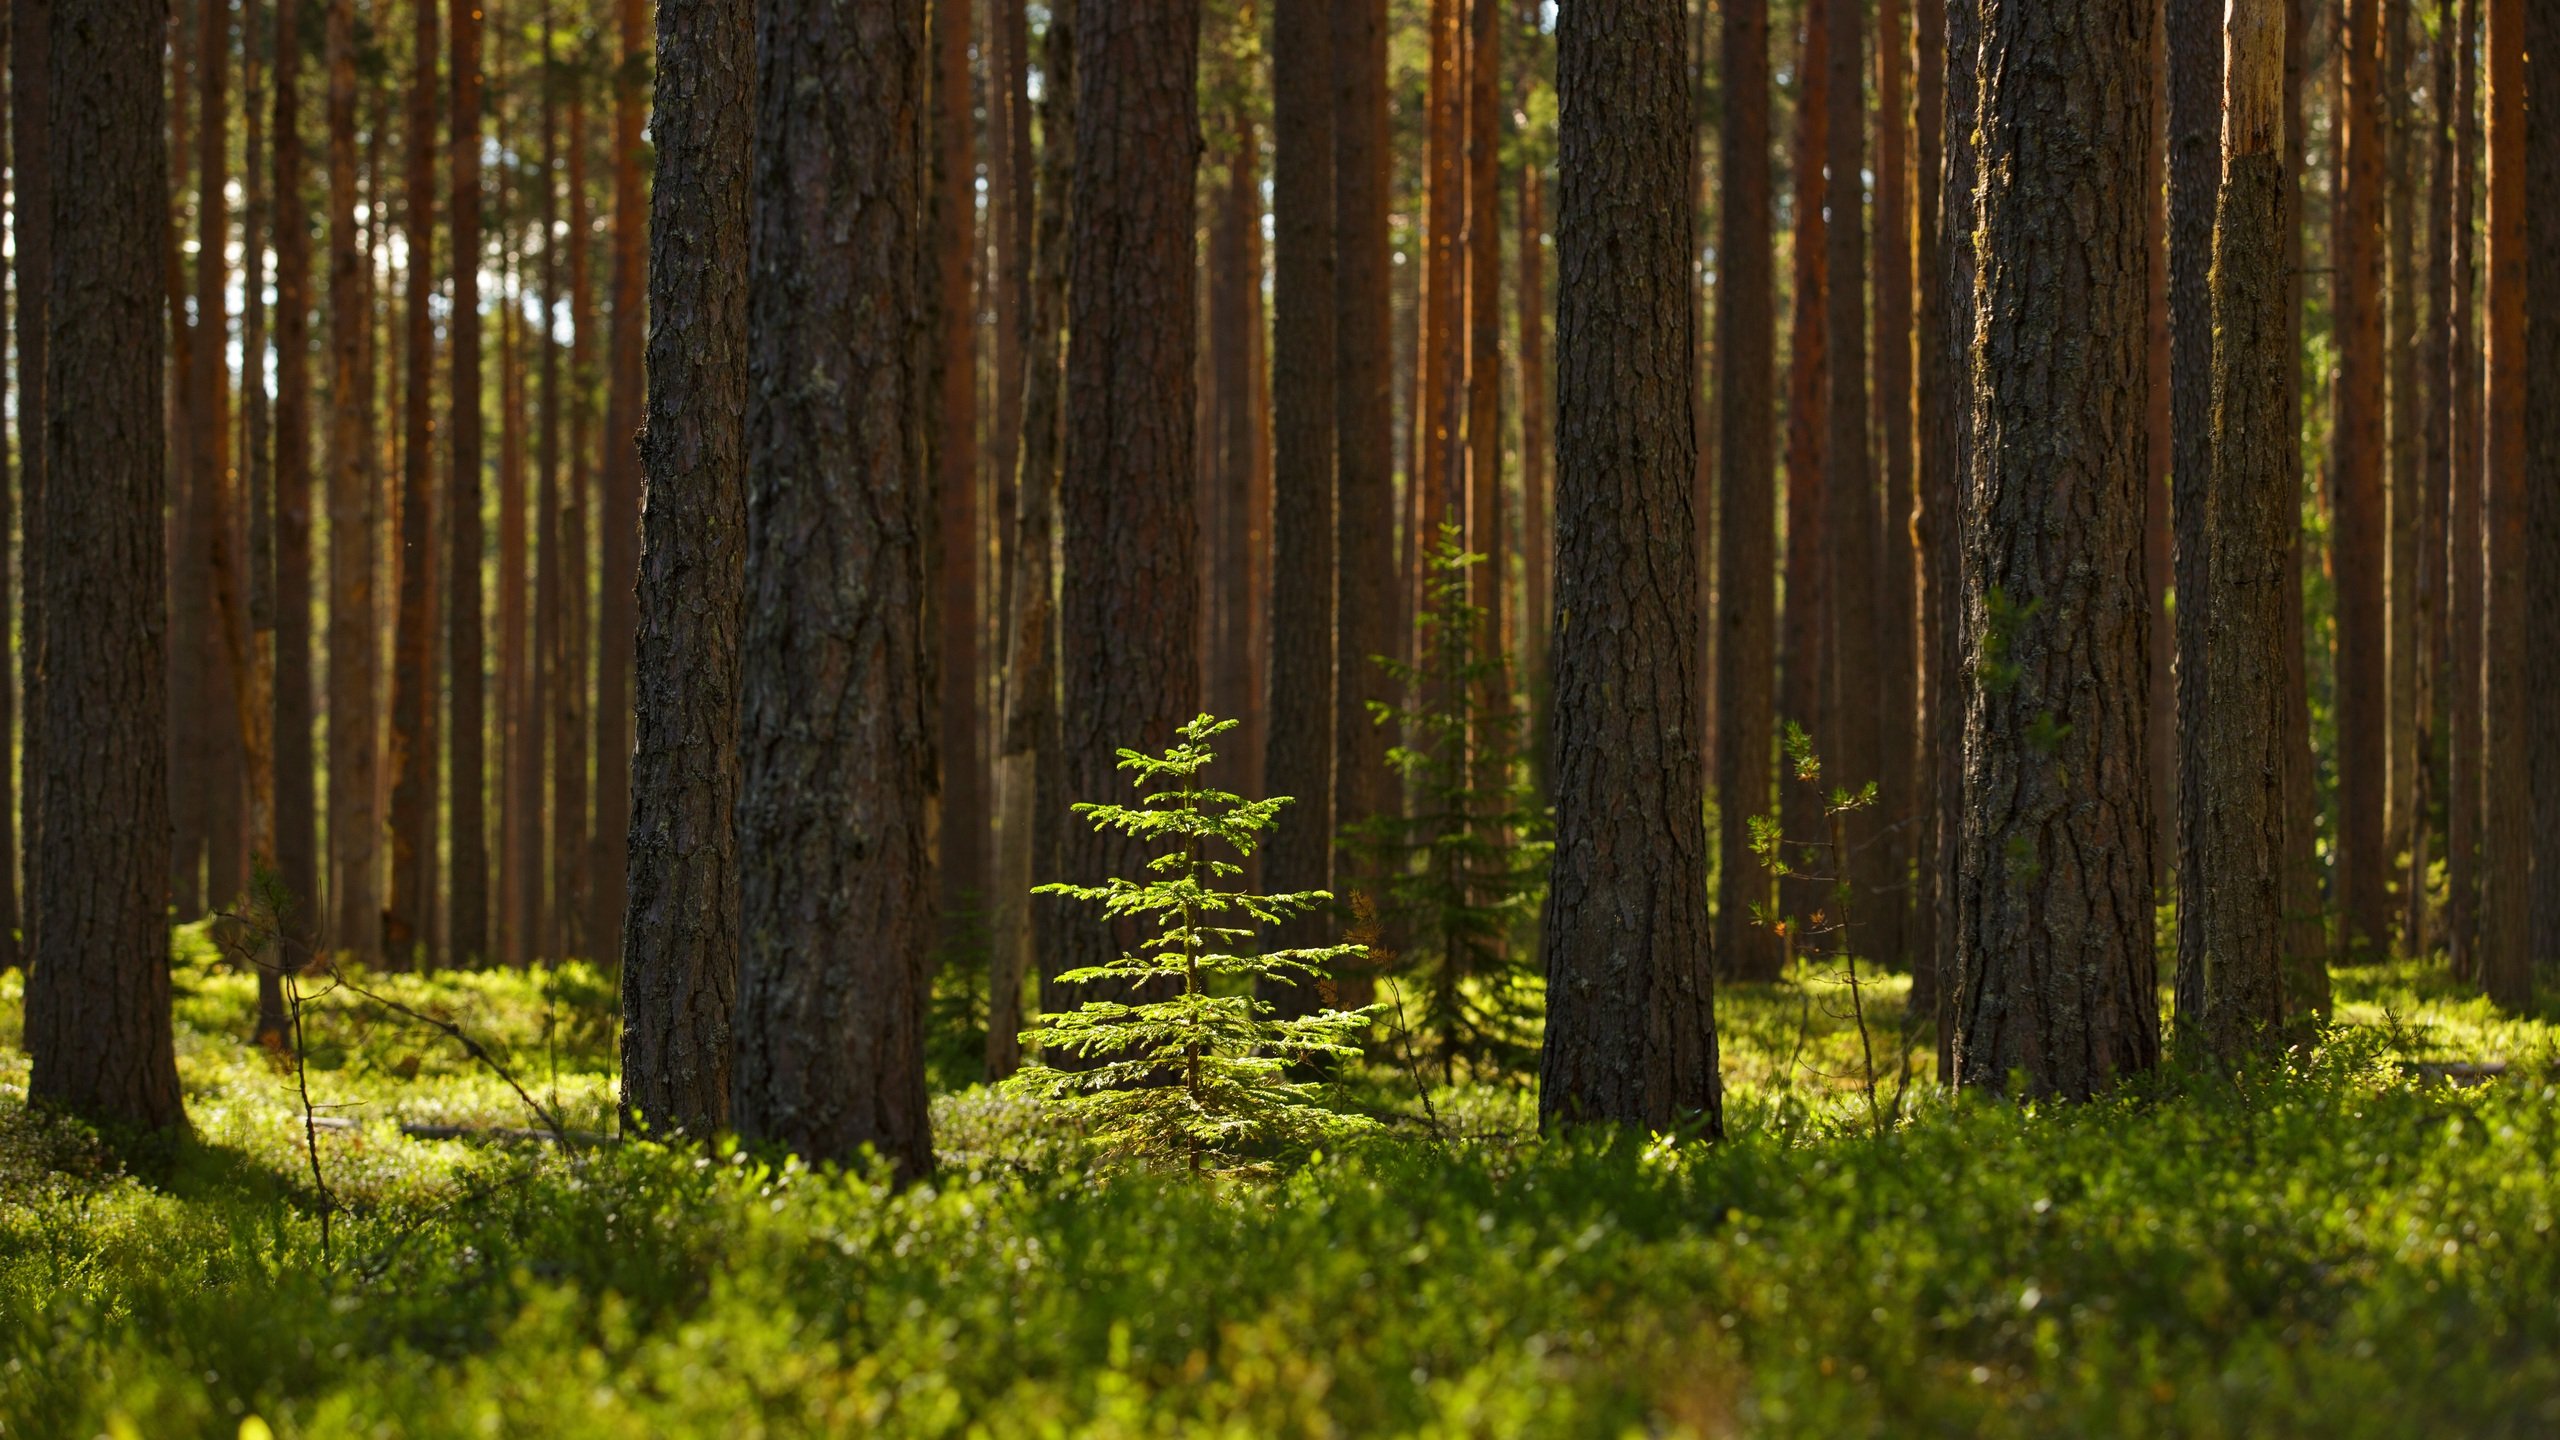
x=1009 y=209
x=518 y=725
x=2306 y=921
x=2507 y=832
x=1027 y=769
x=1805 y=681
x=1855 y=739
x=2437 y=387
x=1896 y=683
x=250 y=628
x=1129 y=587
x=1365 y=513
x=1631 y=1032
x=1746 y=590
x=31 y=231
x=98 y=1028
x=2159 y=543
x=413 y=678
x=963 y=827
x=2359 y=520
x=466 y=647
x=11 y=956
x=1226 y=504
x=2402 y=632
x=551 y=676
x=573 y=827
x=1481 y=240
x=297 y=830
x=2463 y=553
x=2250 y=514
x=836 y=730
x=1299 y=708
x=355 y=822
x=1935 y=526
x=1443 y=357
x=2195 y=59
x=680 y=942
x=209 y=720
x=2541 y=475
x=1537 y=548
x=618 y=513
x=2053 y=949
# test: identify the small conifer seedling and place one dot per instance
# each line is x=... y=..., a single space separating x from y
x=1202 y=1076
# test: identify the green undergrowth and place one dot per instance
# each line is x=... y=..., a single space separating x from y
x=2340 y=1246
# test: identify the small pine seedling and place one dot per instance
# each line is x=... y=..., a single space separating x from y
x=1200 y=1077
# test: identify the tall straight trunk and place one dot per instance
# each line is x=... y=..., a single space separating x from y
x=1009 y=210
x=518 y=725
x=1027 y=767
x=836 y=731
x=2358 y=501
x=1234 y=273
x=1299 y=710
x=1805 y=681
x=413 y=677
x=1934 y=523
x=11 y=956
x=31 y=221
x=573 y=827
x=212 y=560
x=2159 y=543
x=1443 y=357
x=2507 y=832
x=1631 y=1033
x=1129 y=586
x=2464 y=569
x=550 y=675
x=1855 y=740
x=2250 y=513
x=2053 y=950
x=1746 y=588
x=963 y=829
x=680 y=941
x=2402 y=633
x=618 y=508
x=1364 y=418
x=355 y=823
x=98 y=1027
x=2541 y=475
x=1481 y=238
x=1537 y=555
x=297 y=851
x=465 y=634
x=2436 y=389
x=249 y=630
x=2306 y=921
x=2194 y=41
x=1897 y=685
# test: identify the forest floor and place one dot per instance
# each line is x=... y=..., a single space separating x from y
x=2350 y=1244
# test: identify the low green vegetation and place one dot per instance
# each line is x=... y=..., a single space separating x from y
x=2353 y=1245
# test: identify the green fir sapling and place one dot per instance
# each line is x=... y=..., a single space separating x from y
x=1202 y=1076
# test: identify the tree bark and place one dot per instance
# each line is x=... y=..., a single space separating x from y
x=355 y=822
x=2402 y=631
x=1299 y=708
x=11 y=956
x=2507 y=833
x=1746 y=590
x=1631 y=1035
x=680 y=942
x=31 y=219
x=297 y=831
x=1805 y=683
x=2435 y=490
x=2054 y=963
x=1896 y=687
x=835 y=842
x=1481 y=240
x=2195 y=58
x=2464 y=557
x=2541 y=474
x=1537 y=548
x=2359 y=521
x=573 y=826
x=413 y=679
x=962 y=868
x=2306 y=922
x=551 y=675
x=618 y=514
x=1935 y=524
x=2251 y=510
x=98 y=1027
x=467 y=925
x=1129 y=587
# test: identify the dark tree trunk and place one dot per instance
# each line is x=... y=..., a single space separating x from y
x=2359 y=521
x=618 y=514
x=1482 y=242
x=2306 y=920
x=467 y=925
x=1365 y=513
x=836 y=731
x=680 y=942
x=2053 y=949
x=572 y=826
x=1896 y=684
x=31 y=221
x=1027 y=769
x=1746 y=590
x=297 y=833
x=2159 y=542
x=1935 y=528
x=405 y=924
x=1537 y=549
x=2402 y=630
x=2418 y=927
x=98 y=1029
x=2463 y=557
x=2541 y=675
x=1805 y=683
x=2507 y=839
x=552 y=677
x=1299 y=708
x=2251 y=510
x=2195 y=56
x=962 y=867
x=1009 y=211
x=11 y=956
x=1631 y=1035
x=355 y=821
x=1129 y=590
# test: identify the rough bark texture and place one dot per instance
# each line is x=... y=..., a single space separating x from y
x=2401 y=631
x=2541 y=675
x=550 y=674
x=1951 y=451
x=2159 y=542
x=2193 y=32
x=355 y=823
x=1746 y=590
x=1537 y=447
x=1631 y=1032
x=962 y=856
x=1027 y=779
x=405 y=922
x=2463 y=554
x=1483 y=244
x=98 y=1030
x=1805 y=684
x=297 y=835
x=466 y=648
x=2054 y=963
x=618 y=513
x=680 y=940
x=1299 y=708
x=1364 y=416
x=2250 y=514
x=1897 y=684
x=2506 y=964
x=835 y=840
x=11 y=957
x=31 y=220
x=1940 y=389
x=572 y=824
x=2433 y=379
x=2357 y=501
x=2306 y=921
x=1129 y=586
